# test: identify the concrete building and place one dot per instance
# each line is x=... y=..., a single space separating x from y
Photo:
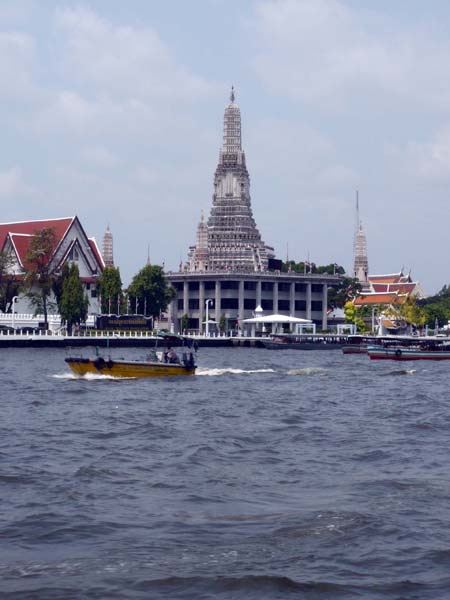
x=228 y=273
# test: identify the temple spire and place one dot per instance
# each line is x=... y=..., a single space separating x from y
x=361 y=263
x=232 y=127
x=107 y=248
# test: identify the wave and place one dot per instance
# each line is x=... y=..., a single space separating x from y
x=251 y=586
x=88 y=377
x=308 y=371
x=231 y=371
x=401 y=372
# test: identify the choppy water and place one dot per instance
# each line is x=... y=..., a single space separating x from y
x=271 y=474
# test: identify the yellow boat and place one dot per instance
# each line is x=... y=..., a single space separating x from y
x=130 y=368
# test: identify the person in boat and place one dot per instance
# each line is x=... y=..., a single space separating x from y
x=171 y=356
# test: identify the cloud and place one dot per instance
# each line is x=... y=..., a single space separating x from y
x=124 y=61
x=12 y=186
x=98 y=156
x=324 y=52
x=424 y=161
x=17 y=61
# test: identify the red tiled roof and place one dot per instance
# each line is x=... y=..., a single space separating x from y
x=21 y=244
x=370 y=299
x=402 y=288
x=96 y=251
x=60 y=227
x=393 y=278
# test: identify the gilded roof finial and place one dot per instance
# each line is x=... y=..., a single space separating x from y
x=232 y=94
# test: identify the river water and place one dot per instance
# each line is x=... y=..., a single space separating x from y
x=270 y=474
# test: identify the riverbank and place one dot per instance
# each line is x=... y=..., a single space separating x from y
x=113 y=340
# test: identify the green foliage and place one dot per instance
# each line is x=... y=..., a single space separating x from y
x=73 y=303
x=110 y=289
x=309 y=267
x=8 y=286
x=58 y=283
x=413 y=313
x=437 y=307
x=351 y=316
x=39 y=269
x=184 y=322
x=349 y=311
x=222 y=323
x=346 y=289
x=151 y=290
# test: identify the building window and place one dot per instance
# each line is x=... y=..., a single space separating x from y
x=316 y=288
x=230 y=303
x=249 y=303
x=193 y=285
x=300 y=287
x=180 y=304
x=93 y=293
x=249 y=285
x=210 y=285
x=300 y=305
x=230 y=285
x=267 y=304
x=193 y=324
x=283 y=305
x=267 y=286
x=193 y=303
x=178 y=286
x=284 y=286
x=74 y=254
x=316 y=306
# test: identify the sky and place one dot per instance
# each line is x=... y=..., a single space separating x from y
x=113 y=111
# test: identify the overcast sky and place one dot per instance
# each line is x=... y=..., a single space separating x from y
x=113 y=111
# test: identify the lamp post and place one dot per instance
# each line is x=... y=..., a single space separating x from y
x=13 y=302
x=207 y=316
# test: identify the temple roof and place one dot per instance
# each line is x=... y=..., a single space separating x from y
x=21 y=233
x=60 y=227
x=371 y=299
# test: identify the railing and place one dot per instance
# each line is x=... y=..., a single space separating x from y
x=38 y=333
x=18 y=320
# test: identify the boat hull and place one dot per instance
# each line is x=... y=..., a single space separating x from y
x=401 y=354
x=122 y=368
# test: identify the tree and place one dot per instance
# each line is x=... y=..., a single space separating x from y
x=310 y=267
x=9 y=287
x=351 y=316
x=110 y=289
x=150 y=291
x=39 y=269
x=184 y=323
x=58 y=283
x=346 y=289
x=413 y=313
x=222 y=324
x=437 y=307
x=74 y=303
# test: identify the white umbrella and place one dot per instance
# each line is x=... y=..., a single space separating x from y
x=276 y=319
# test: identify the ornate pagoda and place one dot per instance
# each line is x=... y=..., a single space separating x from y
x=230 y=240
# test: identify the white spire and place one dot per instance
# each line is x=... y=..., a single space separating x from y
x=232 y=127
x=361 y=263
x=107 y=248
